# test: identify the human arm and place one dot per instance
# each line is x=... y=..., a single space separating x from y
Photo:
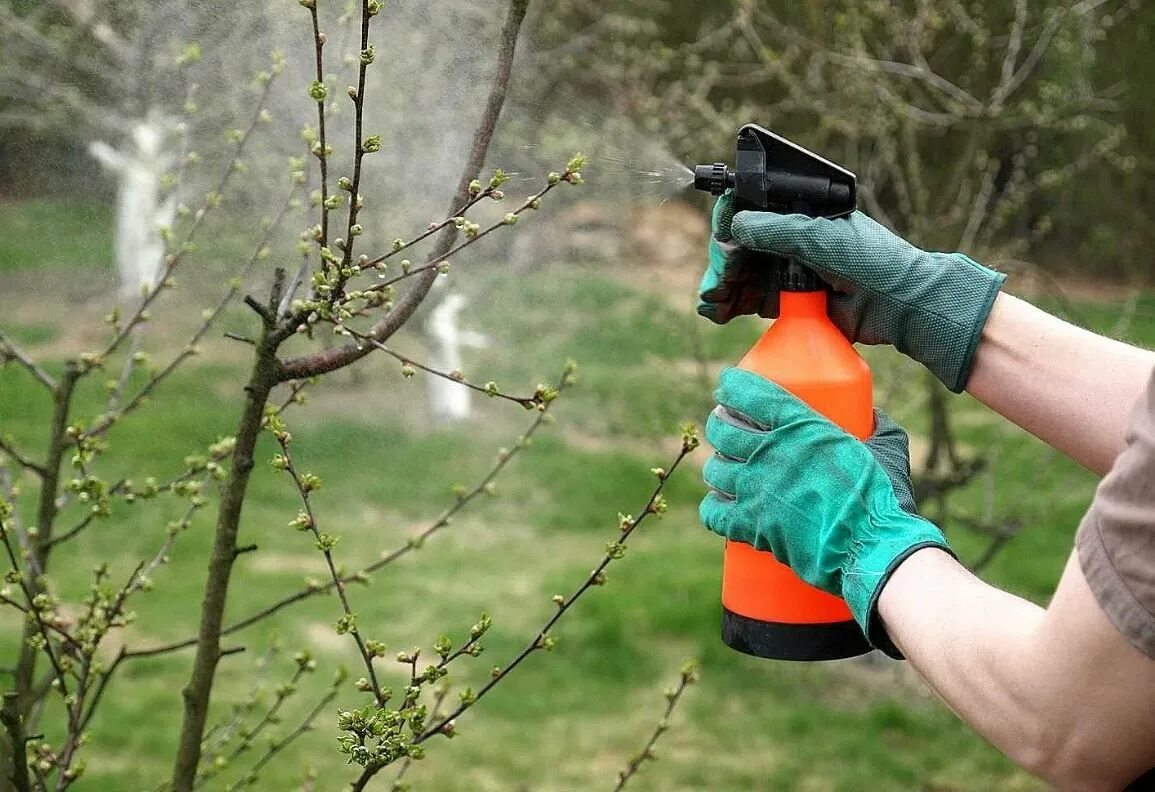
x=1069 y=387
x=1065 y=691
x=1058 y=690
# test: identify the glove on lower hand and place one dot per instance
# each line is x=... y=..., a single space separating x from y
x=837 y=511
x=930 y=306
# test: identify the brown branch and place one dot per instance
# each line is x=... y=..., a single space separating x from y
x=615 y=550
x=198 y=692
x=339 y=357
x=14 y=725
x=10 y=351
x=260 y=250
x=688 y=677
x=9 y=449
x=416 y=542
x=350 y=619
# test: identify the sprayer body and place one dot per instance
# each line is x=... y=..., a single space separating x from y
x=767 y=610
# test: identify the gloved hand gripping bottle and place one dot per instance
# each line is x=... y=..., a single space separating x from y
x=767 y=610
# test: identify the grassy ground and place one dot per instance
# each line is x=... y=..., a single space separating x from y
x=566 y=720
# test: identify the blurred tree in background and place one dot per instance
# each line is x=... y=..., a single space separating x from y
x=1008 y=129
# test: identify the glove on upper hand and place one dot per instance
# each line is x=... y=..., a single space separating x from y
x=930 y=306
x=837 y=511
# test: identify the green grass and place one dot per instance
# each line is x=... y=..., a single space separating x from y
x=80 y=235
x=566 y=720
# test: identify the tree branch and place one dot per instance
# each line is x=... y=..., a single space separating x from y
x=463 y=499
x=10 y=351
x=615 y=550
x=688 y=677
x=339 y=357
x=14 y=725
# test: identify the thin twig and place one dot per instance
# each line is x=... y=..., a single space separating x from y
x=284 y=743
x=688 y=677
x=320 y=148
x=9 y=449
x=325 y=546
x=437 y=261
x=543 y=641
x=654 y=505
x=10 y=351
x=416 y=542
x=339 y=357
x=528 y=402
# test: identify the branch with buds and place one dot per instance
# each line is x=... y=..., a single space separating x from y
x=407 y=733
x=688 y=676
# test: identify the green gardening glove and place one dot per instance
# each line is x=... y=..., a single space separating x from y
x=837 y=511
x=930 y=306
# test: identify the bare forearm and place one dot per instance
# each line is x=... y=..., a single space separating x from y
x=968 y=640
x=1069 y=387
x=1057 y=690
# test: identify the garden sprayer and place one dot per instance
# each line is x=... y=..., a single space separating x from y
x=767 y=611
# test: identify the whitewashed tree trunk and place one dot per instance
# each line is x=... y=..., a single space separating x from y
x=449 y=402
x=139 y=167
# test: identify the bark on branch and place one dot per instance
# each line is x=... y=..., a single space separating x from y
x=338 y=357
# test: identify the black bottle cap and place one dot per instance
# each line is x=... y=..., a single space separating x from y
x=795 y=277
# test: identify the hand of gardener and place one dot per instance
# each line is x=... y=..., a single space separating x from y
x=930 y=306
x=837 y=511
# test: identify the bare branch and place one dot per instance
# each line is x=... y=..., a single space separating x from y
x=191 y=348
x=339 y=357
x=84 y=15
x=10 y=351
x=688 y=677
x=654 y=505
x=10 y=450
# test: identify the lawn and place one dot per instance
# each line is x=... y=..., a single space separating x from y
x=565 y=720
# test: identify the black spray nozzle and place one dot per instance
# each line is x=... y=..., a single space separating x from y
x=774 y=175
x=713 y=179
x=771 y=174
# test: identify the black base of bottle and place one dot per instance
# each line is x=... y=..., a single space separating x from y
x=782 y=641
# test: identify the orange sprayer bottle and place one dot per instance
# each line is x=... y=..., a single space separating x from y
x=767 y=610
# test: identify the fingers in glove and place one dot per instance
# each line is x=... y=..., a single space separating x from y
x=722 y=216
x=732 y=435
x=721 y=475
x=889 y=442
x=714 y=512
x=790 y=235
x=760 y=402
x=890 y=447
